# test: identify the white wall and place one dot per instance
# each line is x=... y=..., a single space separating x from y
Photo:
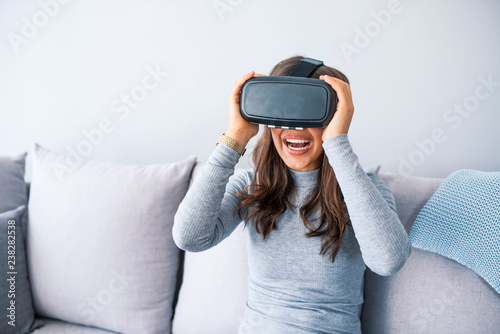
x=64 y=77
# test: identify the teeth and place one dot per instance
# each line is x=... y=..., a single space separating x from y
x=296 y=141
x=298 y=148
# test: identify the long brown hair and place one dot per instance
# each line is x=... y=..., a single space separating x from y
x=268 y=196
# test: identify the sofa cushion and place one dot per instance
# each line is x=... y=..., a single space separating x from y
x=431 y=293
x=410 y=194
x=12 y=185
x=215 y=285
x=18 y=315
x=214 y=288
x=53 y=326
x=100 y=248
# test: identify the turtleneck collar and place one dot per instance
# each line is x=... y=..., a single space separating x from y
x=305 y=179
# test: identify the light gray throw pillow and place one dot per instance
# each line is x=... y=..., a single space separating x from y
x=100 y=248
x=431 y=294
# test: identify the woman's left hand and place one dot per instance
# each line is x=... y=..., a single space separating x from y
x=345 y=109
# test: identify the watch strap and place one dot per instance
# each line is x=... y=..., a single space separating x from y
x=231 y=143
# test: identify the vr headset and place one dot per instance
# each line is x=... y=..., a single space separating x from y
x=289 y=102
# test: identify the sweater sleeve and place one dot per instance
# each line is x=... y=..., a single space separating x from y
x=207 y=214
x=383 y=241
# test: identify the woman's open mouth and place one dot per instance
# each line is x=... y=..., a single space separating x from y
x=297 y=144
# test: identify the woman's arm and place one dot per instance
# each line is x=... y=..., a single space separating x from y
x=384 y=243
x=207 y=214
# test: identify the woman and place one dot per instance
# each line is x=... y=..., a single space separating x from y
x=317 y=219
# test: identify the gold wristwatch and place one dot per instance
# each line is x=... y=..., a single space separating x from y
x=231 y=143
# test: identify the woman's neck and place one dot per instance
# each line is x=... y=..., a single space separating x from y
x=305 y=179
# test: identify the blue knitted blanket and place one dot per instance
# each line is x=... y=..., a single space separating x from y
x=462 y=222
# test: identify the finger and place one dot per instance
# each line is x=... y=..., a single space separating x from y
x=237 y=86
x=342 y=88
x=336 y=83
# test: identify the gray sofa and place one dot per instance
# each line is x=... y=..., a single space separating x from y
x=202 y=292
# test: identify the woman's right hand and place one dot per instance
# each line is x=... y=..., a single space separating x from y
x=239 y=129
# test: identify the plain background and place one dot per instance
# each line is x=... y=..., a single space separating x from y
x=71 y=72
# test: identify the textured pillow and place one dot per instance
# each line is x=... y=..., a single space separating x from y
x=461 y=221
x=215 y=285
x=431 y=293
x=18 y=315
x=100 y=248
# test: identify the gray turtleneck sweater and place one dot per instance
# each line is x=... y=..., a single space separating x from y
x=292 y=288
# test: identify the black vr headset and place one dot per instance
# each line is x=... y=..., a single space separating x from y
x=290 y=102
